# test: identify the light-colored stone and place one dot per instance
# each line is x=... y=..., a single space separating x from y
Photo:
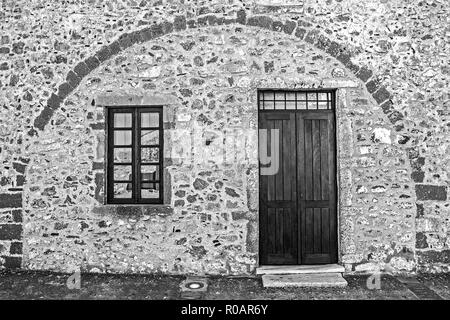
x=300 y=269
x=311 y=280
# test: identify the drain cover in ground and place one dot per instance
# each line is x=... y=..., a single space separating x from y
x=319 y=280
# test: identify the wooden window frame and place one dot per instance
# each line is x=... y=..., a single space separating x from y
x=136 y=146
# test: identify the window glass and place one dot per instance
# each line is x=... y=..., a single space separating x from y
x=122 y=190
x=122 y=155
x=149 y=137
x=149 y=119
x=122 y=120
x=122 y=173
x=150 y=154
x=122 y=138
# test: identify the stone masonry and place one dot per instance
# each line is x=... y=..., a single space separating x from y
x=61 y=64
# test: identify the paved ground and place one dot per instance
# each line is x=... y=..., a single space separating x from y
x=40 y=285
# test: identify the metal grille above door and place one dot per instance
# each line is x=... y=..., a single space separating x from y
x=296 y=100
x=298 y=222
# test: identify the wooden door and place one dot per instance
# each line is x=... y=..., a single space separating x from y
x=278 y=194
x=316 y=183
x=298 y=221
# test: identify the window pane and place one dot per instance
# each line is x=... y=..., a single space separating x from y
x=150 y=119
x=290 y=105
x=279 y=105
x=290 y=95
x=323 y=105
x=122 y=173
x=122 y=120
x=323 y=96
x=149 y=137
x=122 y=138
x=279 y=96
x=268 y=105
x=301 y=95
x=269 y=95
x=122 y=190
x=122 y=155
x=301 y=105
x=312 y=96
x=149 y=173
x=149 y=154
x=150 y=190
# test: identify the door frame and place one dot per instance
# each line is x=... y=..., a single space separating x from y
x=335 y=95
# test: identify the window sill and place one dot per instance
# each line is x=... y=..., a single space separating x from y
x=134 y=210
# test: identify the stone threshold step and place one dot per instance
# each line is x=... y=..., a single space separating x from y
x=301 y=269
x=307 y=280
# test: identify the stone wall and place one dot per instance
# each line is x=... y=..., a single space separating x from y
x=387 y=59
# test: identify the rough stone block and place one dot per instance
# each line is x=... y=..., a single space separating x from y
x=17 y=215
x=10 y=231
x=322 y=42
x=387 y=106
x=54 y=102
x=11 y=200
x=202 y=21
x=261 y=21
x=19 y=167
x=418 y=176
x=166 y=27
x=103 y=54
x=115 y=48
x=333 y=48
x=213 y=20
x=318 y=280
x=312 y=36
x=99 y=185
x=431 y=192
x=81 y=69
x=20 y=180
x=43 y=118
x=241 y=16
x=73 y=79
x=191 y=23
x=179 y=23
x=15 y=248
x=395 y=117
x=124 y=41
x=433 y=256
x=289 y=26
x=145 y=34
x=364 y=74
x=300 y=33
x=92 y=63
x=381 y=95
x=278 y=26
x=421 y=240
x=373 y=85
x=345 y=59
x=64 y=90
x=12 y=262
x=157 y=31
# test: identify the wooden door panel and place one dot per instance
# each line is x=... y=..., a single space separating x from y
x=278 y=207
x=316 y=176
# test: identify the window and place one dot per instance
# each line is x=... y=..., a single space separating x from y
x=296 y=99
x=135 y=153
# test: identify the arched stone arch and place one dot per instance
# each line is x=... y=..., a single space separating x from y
x=300 y=29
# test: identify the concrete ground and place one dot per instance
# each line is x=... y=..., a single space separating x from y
x=44 y=285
